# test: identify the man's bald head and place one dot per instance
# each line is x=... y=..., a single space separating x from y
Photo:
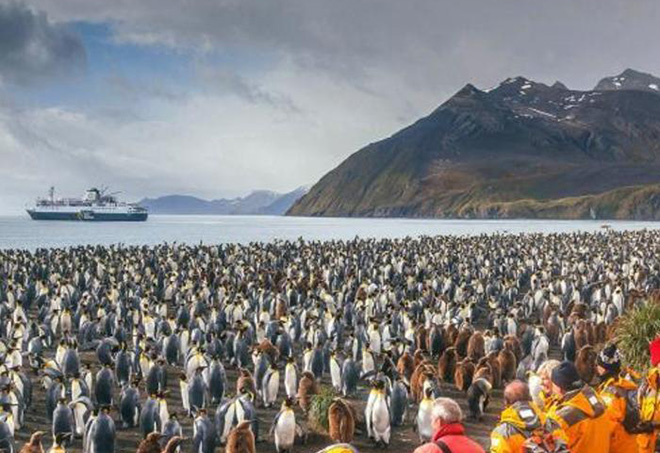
x=516 y=391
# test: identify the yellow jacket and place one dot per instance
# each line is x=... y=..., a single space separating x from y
x=549 y=401
x=581 y=415
x=613 y=392
x=517 y=423
x=649 y=408
x=339 y=448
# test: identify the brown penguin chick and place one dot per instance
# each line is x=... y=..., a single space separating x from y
x=245 y=381
x=592 y=334
x=418 y=358
x=552 y=327
x=451 y=333
x=151 y=444
x=476 y=347
x=415 y=379
x=306 y=389
x=34 y=444
x=483 y=372
x=508 y=364
x=241 y=439
x=405 y=365
x=281 y=309
x=495 y=369
x=269 y=349
x=579 y=311
x=462 y=340
x=548 y=310
x=515 y=346
x=581 y=334
x=172 y=444
x=427 y=375
x=341 y=421
x=463 y=375
x=585 y=362
x=420 y=338
x=447 y=365
x=601 y=333
x=484 y=362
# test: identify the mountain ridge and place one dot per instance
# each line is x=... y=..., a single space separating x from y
x=258 y=202
x=519 y=140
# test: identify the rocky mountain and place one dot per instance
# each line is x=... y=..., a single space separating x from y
x=630 y=80
x=522 y=149
x=259 y=202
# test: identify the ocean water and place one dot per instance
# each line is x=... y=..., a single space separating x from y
x=22 y=232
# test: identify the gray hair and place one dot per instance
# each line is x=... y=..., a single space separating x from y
x=545 y=369
x=447 y=410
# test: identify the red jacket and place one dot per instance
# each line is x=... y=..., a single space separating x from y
x=454 y=437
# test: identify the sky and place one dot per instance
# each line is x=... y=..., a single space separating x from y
x=216 y=98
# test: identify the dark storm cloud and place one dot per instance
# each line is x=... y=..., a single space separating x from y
x=437 y=44
x=225 y=82
x=33 y=48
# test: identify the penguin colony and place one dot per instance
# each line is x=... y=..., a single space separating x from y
x=202 y=348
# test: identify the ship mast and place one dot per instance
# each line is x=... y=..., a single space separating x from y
x=51 y=194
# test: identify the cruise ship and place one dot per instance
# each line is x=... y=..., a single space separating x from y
x=95 y=205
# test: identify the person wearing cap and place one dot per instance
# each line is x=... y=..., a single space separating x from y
x=520 y=420
x=617 y=393
x=649 y=402
x=579 y=411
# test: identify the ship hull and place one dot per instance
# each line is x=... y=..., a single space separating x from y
x=89 y=217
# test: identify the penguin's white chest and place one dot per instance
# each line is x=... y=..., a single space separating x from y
x=285 y=430
x=424 y=426
x=272 y=387
x=335 y=374
x=290 y=381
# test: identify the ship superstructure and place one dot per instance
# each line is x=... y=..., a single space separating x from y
x=95 y=205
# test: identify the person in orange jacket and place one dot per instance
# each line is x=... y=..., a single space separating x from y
x=520 y=420
x=580 y=412
x=649 y=402
x=618 y=394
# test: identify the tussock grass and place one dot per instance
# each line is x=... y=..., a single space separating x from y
x=635 y=330
x=318 y=411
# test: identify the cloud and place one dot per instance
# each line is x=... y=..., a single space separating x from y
x=32 y=48
x=137 y=90
x=427 y=43
x=276 y=93
x=213 y=143
x=225 y=82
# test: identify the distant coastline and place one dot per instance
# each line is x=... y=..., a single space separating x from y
x=260 y=202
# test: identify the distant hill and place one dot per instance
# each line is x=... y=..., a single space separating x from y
x=522 y=149
x=259 y=202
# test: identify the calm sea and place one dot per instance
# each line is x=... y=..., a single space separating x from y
x=22 y=232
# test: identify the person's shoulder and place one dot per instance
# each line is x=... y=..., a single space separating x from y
x=476 y=448
x=464 y=443
x=429 y=447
